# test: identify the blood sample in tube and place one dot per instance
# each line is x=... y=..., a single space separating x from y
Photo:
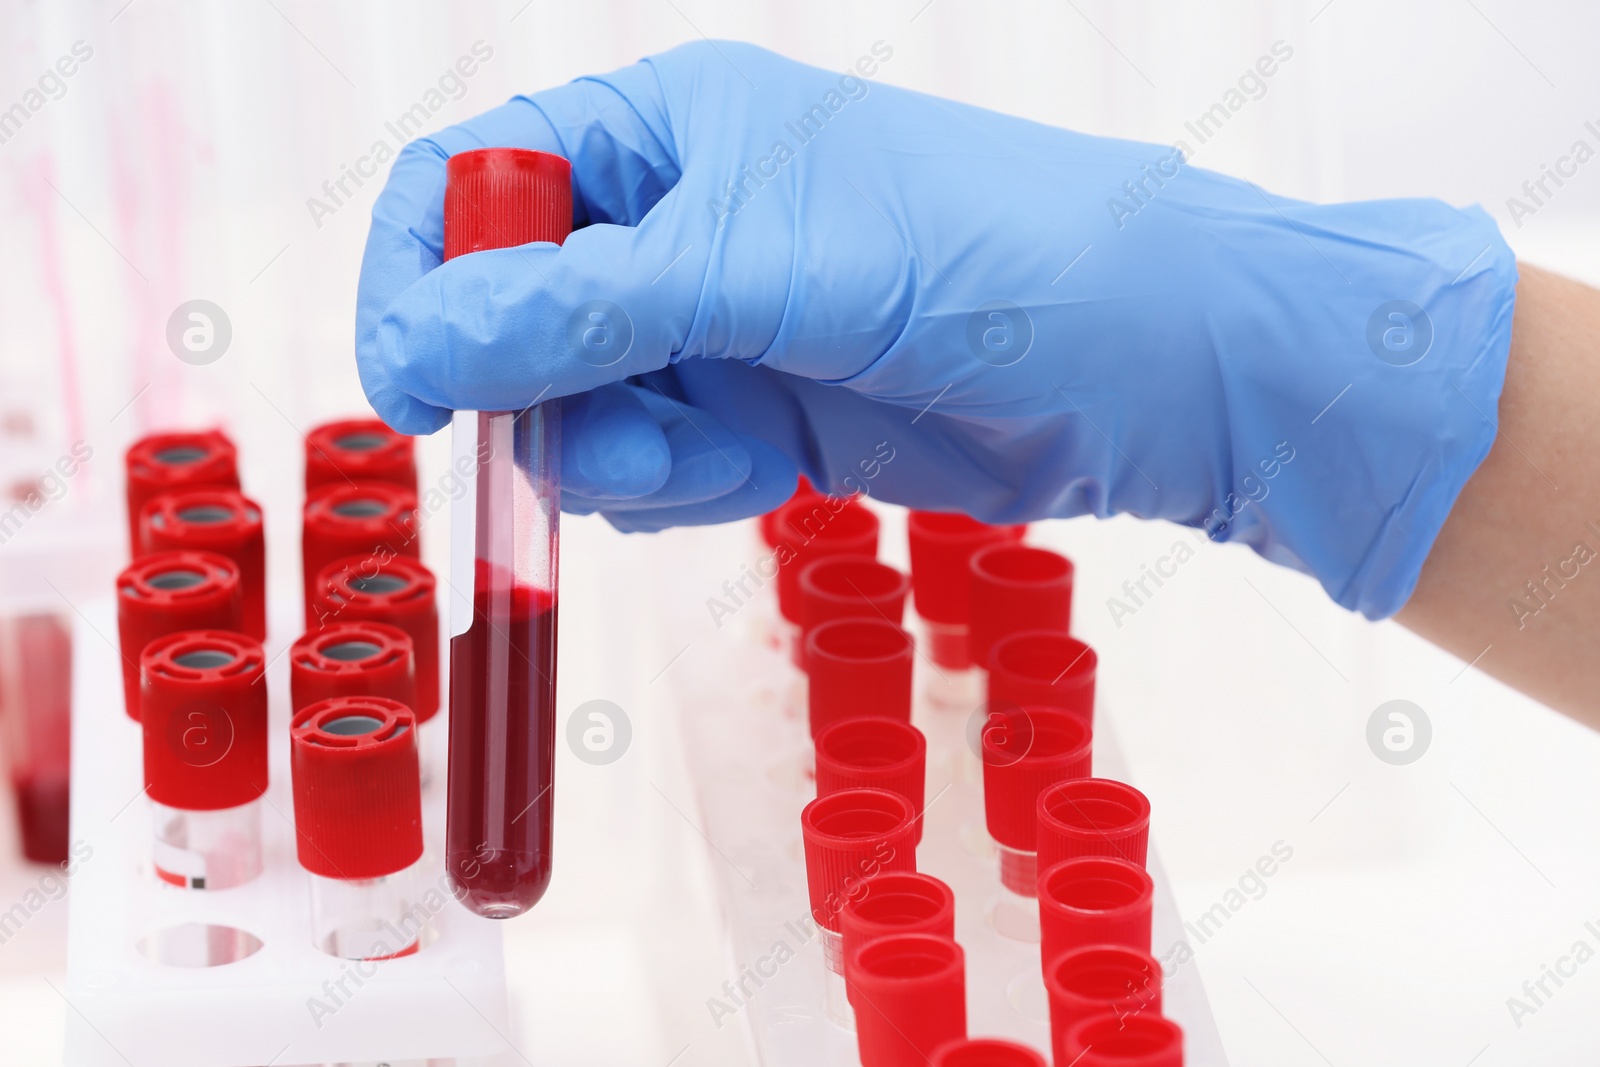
x=164 y=462
x=214 y=520
x=168 y=592
x=204 y=716
x=505 y=541
x=359 y=450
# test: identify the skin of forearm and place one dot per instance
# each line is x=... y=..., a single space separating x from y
x=1513 y=581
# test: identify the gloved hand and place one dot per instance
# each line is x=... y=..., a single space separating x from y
x=781 y=267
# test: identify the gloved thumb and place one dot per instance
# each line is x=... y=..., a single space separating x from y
x=501 y=329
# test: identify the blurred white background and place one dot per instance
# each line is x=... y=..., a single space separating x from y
x=176 y=163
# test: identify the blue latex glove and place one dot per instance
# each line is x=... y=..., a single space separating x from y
x=951 y=309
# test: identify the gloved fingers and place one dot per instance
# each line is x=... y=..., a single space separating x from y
x=613 y=448
x=620 y=168
x=771 y=481
x=499 y=329
x=708 y=461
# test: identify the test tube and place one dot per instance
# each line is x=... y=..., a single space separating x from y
x=849 y=837
x=352 y=659
x=399 y=591
x=1110 y=1040
x=874 y=753
x=859 y=668
x=1043 y=668
x=1015 y=587
x=1094 y=900
x=203 y=710
x=163 y=462
x=359 y=450
x=214 y=520
x=358 y=824
x=1092 y=817
x=1025 y=750
x=909 y=992
x=36 y=727
x=169 y=592
x=941 y=546
x=1096 y=980
x=372 y=519
x=985 y=1052
x=504 y=564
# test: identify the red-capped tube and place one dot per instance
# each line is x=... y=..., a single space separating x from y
x=352 y=659
x=169 y=592
x=1086 y=982
x=910 y=996
x=223 y=521
x=769 y=521
x=375 y=520
x=358 y=824
x=942 y=545
x=204 y=719
x=813 y=529
x=985 y=1052
x=1024 y=751
x=1041 y=668
x=850 y=836
x=1095 y=900
x=359 y=450
x=874 y=753
x=859 y=668
x=1013 y=588
x=848 y=587
x=1092 y=817
x=896 y=902
x=357 y=792
x=401 y=592
x=1110 y=1040
x=164 y=462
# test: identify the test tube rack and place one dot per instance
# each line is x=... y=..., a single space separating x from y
x=280 y=1000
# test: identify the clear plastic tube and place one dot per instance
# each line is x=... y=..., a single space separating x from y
x=503 y=660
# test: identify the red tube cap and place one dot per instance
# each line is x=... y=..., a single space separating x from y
x=1043 y=669
x=910 y=996
x=163 y=462
x=351 y=659
x=1085 y=982
x=847 y=587
x=859 y=668
x=850 y=836
x=375 y=520
x=1108 y=1040
x=942 y=544
x=1094 y=900
x=985 y=1052
x=504 y=197
x=223 y=521
x=896 y=902
x=813 y=529
x=204 y=713
x=1024 y=751
x=874 y=753
x=357 y=787
x=400 y=592
x=169 y=592
x=769 y=521
x=359 y=450
x=1093 y=817
x=1014 y=588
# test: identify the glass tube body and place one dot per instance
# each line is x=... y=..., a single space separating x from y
x=504 y=543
